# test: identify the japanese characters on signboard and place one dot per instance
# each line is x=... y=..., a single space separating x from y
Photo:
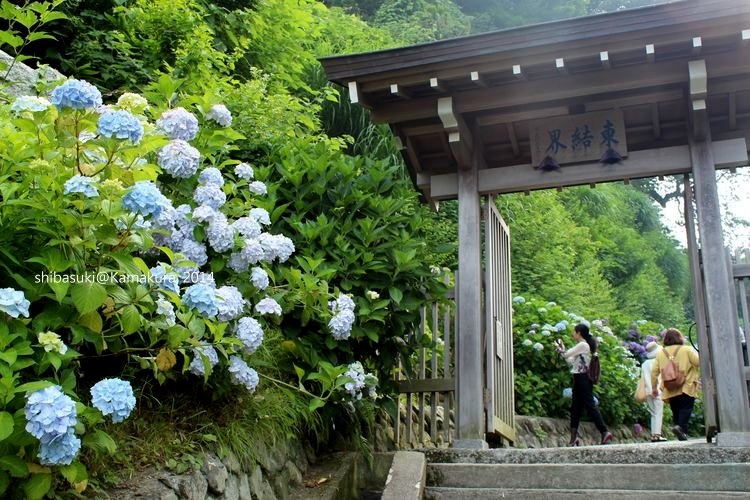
x=578 y=138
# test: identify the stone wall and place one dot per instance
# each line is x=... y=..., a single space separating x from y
x=21 y=79
x=278 y=471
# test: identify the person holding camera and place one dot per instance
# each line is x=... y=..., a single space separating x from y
x=578 y=358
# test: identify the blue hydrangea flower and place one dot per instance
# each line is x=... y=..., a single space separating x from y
x=179 y=159
x=113 y=396
x=526 y=342
x=247 y=227
x=260 y=215
x=201 y=353
x=145 y=199
x=257 y=187
x=259 y=277
x=13 y=302
x=341 y=324
x=76 y=94
x=538 y=346
x=120 y=125
x=194 y=251
x=268 y=306
x=220 y=234
x=567 y=392
x=241 y=374
x=561 y=326
x=30 y=103
x=49 y=413
x=80 y=184
x=210 y=195
x=211 y=175
x=61 y=450
x=230 y=303
x=244 y=171
x=202 y=298
x=203 y=213
x=250 y=332
x=518 y=299
x=220 y=114
x=178 y=123
x=165 y=278
x=276 y=246
x=252 y=251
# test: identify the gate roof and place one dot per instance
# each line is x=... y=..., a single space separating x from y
x=480 y=96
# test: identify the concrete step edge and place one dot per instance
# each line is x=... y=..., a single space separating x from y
x=693 y=477
x=445 y=493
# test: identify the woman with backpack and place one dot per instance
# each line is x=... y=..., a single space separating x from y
x=579 y=357
x=678 y=368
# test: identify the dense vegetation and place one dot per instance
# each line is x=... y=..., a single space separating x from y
x=331 y=182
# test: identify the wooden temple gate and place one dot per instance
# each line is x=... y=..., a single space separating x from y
x=655 y=91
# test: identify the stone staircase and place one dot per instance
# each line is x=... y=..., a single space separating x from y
x=667 y=470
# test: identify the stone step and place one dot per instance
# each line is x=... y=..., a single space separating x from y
x=569 y=476
x=672 y=452
x=435 y=493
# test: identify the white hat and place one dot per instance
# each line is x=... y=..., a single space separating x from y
x=652 y=349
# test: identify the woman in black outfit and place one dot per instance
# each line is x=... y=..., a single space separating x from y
x=579 y=357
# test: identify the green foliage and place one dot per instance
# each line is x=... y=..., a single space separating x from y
x=360 y=229
x=541 y=374
x=421 y=21
x=23 y=25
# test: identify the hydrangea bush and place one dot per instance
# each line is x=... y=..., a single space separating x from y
x=542 y=378
x=129 y=233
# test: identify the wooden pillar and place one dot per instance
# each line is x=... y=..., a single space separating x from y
x=725 y=348
x=470 y=379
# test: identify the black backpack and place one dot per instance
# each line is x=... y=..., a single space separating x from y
x=594 y=368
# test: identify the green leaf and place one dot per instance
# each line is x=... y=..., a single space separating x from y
x=130 y=319
x=9 y=356
x=92 y=321
x=60 y=288
x=87 y=296
x=100 y=441
x=6 y=425
x=37 y=486
x=33 y=386
x=14 y=465
x=396 y=294
x=315 y=404
x=74 y=473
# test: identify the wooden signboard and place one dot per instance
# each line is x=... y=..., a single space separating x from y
x=578 y=138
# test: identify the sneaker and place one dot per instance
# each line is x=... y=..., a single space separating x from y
x=679 y=433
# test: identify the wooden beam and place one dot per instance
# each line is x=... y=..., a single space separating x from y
x=427 y=385
x=732 y=111
x=655 y=122
x=513 y=140
x=698 y=78
x=616 y=80
x=459 y=136
x=400 y=91
x=652 y=163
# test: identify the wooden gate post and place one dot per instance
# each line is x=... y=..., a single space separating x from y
x=470 y=379
x=728 y=369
